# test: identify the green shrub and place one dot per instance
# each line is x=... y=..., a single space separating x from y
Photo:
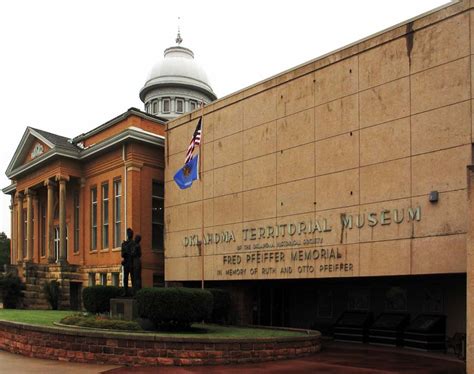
x=174 y=308
x=53 y=292
x=11 y=288
x=71 y=320
x=221 y=305
x=101 y=323
x=96 y=299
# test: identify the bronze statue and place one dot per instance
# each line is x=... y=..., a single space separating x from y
x=137 y=264
x=131 y=254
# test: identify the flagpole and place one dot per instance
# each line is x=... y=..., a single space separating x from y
x=201 y=162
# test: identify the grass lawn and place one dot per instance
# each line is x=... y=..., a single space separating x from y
x=231 y=332
x=34 y=317
x=47 y=317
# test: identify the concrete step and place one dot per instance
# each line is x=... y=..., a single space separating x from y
x=34 y=288
x=33 y=295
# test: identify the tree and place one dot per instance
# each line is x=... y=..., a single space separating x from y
x=4 y=250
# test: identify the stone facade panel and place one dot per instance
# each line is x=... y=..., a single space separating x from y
x=336 y=80
x=259 y=172
x=337 y=153
x=442 y=128
x=337 y=117
x=440 y=86
x=295 y=130
x=259 y=140
x=295 y=163
x=427 y=175
x=385 y=142
x=385 y=103
x=296 y=197
x=383 y=64
x=337 y=190
x=385 y=181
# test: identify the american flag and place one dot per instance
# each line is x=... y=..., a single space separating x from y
x=196 y=140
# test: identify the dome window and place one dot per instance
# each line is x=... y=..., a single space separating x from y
x=166 y=105
x=179 y=105
x=192 y=105
x=154 y=107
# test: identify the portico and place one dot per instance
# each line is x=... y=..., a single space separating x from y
x=36 y=203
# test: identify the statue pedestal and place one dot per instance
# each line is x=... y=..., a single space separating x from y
x=123 y=308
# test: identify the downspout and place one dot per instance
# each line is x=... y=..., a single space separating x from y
x=124 y=190
x=124 y=199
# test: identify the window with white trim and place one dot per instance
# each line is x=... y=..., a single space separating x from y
x=105 y=216
x=117 y=212
x=76 y=221
x=94 y=218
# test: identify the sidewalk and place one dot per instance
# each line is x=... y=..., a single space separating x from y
x=335 y=358
x=17 y=364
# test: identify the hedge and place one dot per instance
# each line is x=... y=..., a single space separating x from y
x=96 y=299
x=52 y=292
x=11 y=288
x=174 y=308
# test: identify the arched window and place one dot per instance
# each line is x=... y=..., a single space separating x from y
x=154 y=106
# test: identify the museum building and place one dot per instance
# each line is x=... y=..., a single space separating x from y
x=340 y=185
x=72 y=199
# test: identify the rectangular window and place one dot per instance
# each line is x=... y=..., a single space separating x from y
x=105 y=216
x=76 y=222
x=179 y=105
x=94 y=218
x=25 y=233
x=192 y=105
x=157 y=215
x=33 y=230
x=166 y=105
x=154 y=105
x=43 y=230
x=117 y=212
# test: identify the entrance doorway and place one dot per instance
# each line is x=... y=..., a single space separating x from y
x=272 y=308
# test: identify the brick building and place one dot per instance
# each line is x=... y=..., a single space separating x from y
x=73 y=198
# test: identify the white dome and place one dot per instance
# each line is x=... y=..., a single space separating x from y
x=178 y=68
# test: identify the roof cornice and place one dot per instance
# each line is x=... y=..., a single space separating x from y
x=128 y=134
x=132 y=133
x=9 y=189
x=119 y=118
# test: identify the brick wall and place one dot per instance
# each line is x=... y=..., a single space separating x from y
x=146 y=349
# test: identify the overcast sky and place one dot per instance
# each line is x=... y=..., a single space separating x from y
x=69 y=66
